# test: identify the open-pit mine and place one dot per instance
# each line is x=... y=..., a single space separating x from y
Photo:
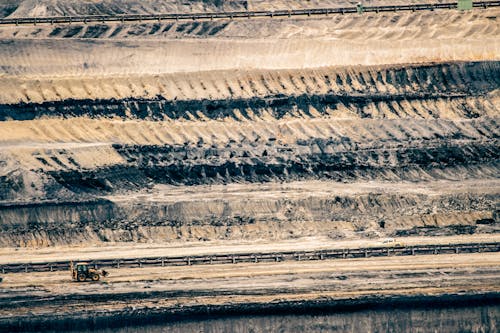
x=248 y=157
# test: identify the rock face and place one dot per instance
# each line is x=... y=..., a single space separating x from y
x=351 y=126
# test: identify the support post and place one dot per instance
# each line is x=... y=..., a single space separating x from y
x=360 y=8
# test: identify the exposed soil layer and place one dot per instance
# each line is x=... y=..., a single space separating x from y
x=98 y=123
x=381 y=26
x=89 y=251
x=351 y=126
x=476 y=318
x=137 y=317
x=458 y=90
x=27 y=8
x=248 y=212
x=118 y=52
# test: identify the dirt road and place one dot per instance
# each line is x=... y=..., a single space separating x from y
x=36 y=294
x=126 y=250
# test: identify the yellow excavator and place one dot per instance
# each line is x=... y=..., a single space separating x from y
x=81 y=272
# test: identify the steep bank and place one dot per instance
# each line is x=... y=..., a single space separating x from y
x=249 y=212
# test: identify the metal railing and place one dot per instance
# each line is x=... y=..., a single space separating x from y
x=233 y=15
x=257 y=257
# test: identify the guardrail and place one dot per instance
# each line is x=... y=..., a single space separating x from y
x=257 y=257
x=233 y=15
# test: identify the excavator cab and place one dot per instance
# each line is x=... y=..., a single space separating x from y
x=82 y=268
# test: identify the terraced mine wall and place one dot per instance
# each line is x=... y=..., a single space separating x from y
x=81 y=223
x=240 y=133
x=373 y=92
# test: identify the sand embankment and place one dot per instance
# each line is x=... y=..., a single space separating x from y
x=146 y=49
x=97 y=58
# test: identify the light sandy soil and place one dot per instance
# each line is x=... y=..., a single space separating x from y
x=124 y=250
x=440 y=25
x=86 y=143
x=285 y=4
x=180 y=278
x=243 y=283
x=294 y=190
x=351 y=40
x=248 y=83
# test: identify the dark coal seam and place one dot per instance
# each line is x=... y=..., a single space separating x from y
x=306 y=168
x=214 y=109
x=17 y=205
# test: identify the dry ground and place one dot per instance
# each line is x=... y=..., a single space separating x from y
x=126 y=250
x=265 y=282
